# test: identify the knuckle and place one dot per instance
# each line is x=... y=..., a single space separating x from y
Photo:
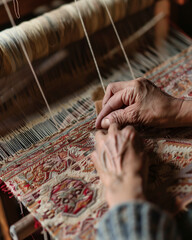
x=137 y=83
x=127 y=131
x=110 y=86
x=115 y=116
x=142 y=86
x=125 y=96
x=119 y=118
x=130 y=128
x=133 y=116
x=142 y=79
x=147 y=83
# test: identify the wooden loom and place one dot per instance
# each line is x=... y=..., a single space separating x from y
x=64 y=55
x=40 y=51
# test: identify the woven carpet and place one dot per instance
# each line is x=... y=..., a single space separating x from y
x=56 y=179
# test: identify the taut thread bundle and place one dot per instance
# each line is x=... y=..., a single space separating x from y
x=58 y=28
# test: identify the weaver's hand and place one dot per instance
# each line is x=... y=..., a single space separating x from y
x=138 y=102
x=121 y=164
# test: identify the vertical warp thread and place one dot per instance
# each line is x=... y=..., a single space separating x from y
x=30 y=64
x=56 y=29
x=16 y=8
x=119 y=40
x=91 y=49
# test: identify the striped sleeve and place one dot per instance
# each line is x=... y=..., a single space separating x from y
x=137 y=221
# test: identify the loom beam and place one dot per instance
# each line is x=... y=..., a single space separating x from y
x=58 y=28
x=24 y=228
x=67 y=29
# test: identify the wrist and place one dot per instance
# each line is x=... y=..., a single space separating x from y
x=184 y=116
x=125 y=191
x=171 y=113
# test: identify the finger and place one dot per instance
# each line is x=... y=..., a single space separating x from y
x=99 y=135
x=113 y=88
x=118 y=86
x=113 y=128
x=125 y=97
x=97 y=161
x=128 y=132
x=99 y=167
x=122 y=117
x=94 y=158
x=114 y=103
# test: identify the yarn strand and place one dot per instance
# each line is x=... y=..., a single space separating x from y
x=30 y=64
x=119 y=39
x=16 y=8
x=91 y=49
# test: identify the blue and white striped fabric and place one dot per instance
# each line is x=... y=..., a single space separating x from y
x=137 y=221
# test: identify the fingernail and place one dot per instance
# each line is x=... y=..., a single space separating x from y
x=105 y=123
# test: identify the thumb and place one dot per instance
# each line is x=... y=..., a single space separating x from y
x=121 y=117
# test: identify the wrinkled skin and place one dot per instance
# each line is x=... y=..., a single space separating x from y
x=138 y=102
x=119 y=156
x=121 y=164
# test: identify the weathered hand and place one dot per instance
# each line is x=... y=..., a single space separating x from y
x=138 y=102
x=119 y=160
